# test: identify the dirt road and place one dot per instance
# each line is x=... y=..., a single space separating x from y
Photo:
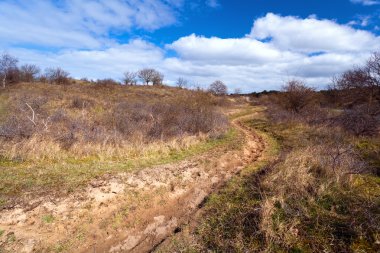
x=128 y=212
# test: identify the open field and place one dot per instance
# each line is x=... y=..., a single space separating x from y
x=95 y=166
x=72 y=138
x=137 y=207
x=314 y=189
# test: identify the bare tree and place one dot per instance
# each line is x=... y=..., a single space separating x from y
x=237 y=91
x=373 y=68
x=57 y=76
x=297 y=95
x=8 y=68
x=218 y=88
x=182 y=83
x=147 y=75
x=129 y=78
x=359 y=86
x=158 y=78
x=28 y=72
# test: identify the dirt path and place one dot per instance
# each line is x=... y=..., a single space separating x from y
x=129 y=212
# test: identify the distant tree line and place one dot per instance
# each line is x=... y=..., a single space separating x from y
x=12 y=73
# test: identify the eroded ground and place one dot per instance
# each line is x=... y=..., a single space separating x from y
x=127 y=212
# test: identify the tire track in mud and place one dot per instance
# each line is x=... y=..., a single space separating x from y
x=128 y=212
x=187 y=205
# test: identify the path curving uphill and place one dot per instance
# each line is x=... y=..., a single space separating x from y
x=129 y=212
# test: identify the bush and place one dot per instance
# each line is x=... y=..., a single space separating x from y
x=57 y=76
x=109 y=116
x=29 y=72
x=358 y=122
x=296 y=96
x=106 y=82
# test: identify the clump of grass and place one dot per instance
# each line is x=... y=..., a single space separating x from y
x=48 y=218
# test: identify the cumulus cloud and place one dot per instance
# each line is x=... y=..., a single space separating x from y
x=276 y=49
x=80 y=24
x=310 y=35
x=102 y=63
x=227 y=51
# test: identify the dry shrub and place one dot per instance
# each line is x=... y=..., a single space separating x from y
x=57 y=76
x=106 y=82
x=188 y=116
x=358 y=121
x=108 y=118
x=81 y=103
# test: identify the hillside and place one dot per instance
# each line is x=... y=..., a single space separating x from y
x=54 y=136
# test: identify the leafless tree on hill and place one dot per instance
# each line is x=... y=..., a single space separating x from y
x=129 y=78
x=57 y=76
x=218 y=88
x=29 y=72
x=158 y=78
x=147 y=75
x=182 y=83
x=8 y=68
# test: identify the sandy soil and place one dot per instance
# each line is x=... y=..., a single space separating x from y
x=128 y=212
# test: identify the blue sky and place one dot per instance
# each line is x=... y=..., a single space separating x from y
x=251 y=45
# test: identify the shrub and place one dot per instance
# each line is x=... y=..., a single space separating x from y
x=296 y=96
x=106 y=82
x=29 y=72
x=57 y=76
x=358 y=122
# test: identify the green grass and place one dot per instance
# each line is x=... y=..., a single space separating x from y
x=225 y=210
x=48 y=218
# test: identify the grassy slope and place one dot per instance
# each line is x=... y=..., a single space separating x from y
x=19 y=177
x=233 y=222
x=233 y=218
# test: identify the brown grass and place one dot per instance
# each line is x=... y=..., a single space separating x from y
x=56 y=138
x=49 y=122
x=318 y=195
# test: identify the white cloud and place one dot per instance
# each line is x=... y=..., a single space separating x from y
x=110 y=62
x=80 y=24
x=277 y=49
x=311 y=49
x=310 y=35
x=227 y=51
x=365 y=2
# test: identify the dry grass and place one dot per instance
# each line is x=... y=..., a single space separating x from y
x=318 y=196
x=58 y=138
x=86 y=120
